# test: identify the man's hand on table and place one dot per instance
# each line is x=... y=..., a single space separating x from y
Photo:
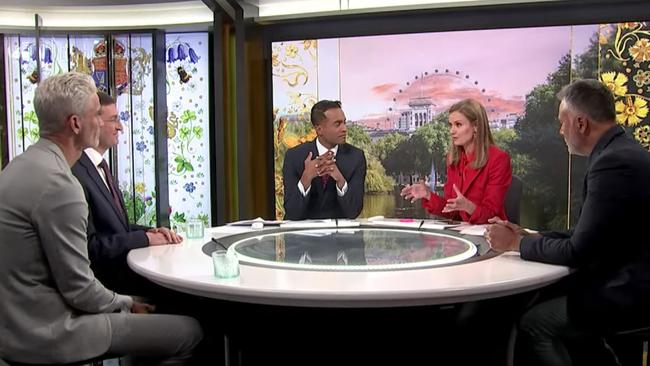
x=162 y=236
x=503 y=236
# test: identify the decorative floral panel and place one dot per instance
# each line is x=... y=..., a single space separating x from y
x=625 y=68
x=14 y=95
x=54 y=57
x=23 y=77
x=88 y=55
x=29 y=132
x=188 y=127
x=136 y=154
x=295 y=90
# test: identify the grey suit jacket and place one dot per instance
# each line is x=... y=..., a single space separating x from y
x=52 y=309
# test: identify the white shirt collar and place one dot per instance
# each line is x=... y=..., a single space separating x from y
x=94 y=156
x=322 y=149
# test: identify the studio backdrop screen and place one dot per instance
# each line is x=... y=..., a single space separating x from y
x=395 y=91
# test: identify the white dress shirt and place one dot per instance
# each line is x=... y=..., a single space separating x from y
x=96 y=159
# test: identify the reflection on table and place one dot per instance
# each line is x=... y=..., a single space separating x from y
x=364 y=249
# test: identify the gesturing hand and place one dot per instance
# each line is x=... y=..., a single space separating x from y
x=415 y=192
x=311 y=167
x=460 y=203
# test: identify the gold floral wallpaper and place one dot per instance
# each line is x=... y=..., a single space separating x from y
x=295 y=73
x=625 y=68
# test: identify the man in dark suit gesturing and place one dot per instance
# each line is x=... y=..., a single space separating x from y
x=609 y=246
x=110 y=235
x=324 y=178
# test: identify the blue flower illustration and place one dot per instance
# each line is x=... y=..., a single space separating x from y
x=124 y=116
x=171 y=55
x=150 y=130
x=140 y=146
x=182 y=54
x=47 y=58
x=189 y=187
x=194 y=58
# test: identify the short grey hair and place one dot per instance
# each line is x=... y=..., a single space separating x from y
x=60 y=96
x=590 y=97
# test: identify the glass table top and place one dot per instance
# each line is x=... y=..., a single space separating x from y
x=358 y=249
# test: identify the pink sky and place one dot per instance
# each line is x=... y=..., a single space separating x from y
x=507 y=63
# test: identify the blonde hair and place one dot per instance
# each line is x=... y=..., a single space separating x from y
x=60 y=96
x=475 y=113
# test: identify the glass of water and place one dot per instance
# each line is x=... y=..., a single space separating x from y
x=194 y=229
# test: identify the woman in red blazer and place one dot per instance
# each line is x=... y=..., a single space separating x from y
x=478 y=172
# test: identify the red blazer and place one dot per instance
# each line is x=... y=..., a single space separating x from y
x=486 y=187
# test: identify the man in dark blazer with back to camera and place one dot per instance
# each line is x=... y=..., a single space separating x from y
x=609 y=246
x=324 y=178
x=110 y=235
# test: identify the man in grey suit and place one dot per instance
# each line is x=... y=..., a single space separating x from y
x=52 y=308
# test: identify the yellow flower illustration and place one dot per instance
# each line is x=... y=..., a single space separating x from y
x=275 y=59
x=309 y=43
x=642 y=134
x=615 y=81
x=631 y=112
x=291 y=50
x=641 y=78
x=139 y=188
x=641 y=50
x=628 y=25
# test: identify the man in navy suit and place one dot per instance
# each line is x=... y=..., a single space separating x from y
x=110 y=235
x=324 y=178
x=609 y=246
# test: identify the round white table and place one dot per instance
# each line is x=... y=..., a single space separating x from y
x=184 y=267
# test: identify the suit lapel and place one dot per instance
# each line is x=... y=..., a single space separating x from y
x=470 y=176
x=99 y=182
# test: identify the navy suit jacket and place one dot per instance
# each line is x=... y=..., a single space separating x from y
x=610 y=244
x=110 y=236
x=324 y=203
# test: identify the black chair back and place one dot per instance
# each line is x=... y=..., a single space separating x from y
x=513 y=200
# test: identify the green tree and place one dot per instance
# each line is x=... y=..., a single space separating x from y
x=436 y=139
x=376 y=178
x=504 y=138
x=585 y=66
x=429 y=143
x=546 y=156
x=386 y=144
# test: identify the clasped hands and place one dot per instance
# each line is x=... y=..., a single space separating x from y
x=162 y=236
x=420 y=190
x=322 y=165
x=503 y=236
